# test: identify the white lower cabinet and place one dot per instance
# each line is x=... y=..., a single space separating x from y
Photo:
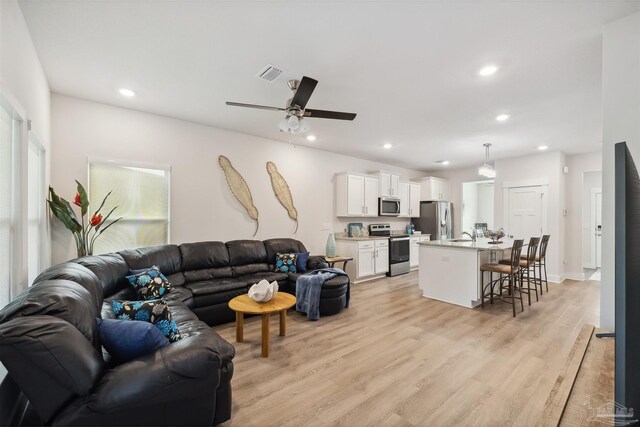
x=381 y=257
x=370 y=257
x=414 y=250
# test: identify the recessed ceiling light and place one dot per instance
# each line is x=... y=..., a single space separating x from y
x=443 y=162
x=387 y=146
x=126 y=92
x=502 y=117
x=311 y=138
x=542 y=147
x=488 y=70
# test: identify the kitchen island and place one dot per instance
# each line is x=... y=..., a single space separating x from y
x=450 y=270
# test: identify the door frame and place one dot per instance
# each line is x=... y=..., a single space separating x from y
x=543 y=183
x=592 y=225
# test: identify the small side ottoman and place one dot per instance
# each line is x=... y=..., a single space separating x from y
x=334 y=296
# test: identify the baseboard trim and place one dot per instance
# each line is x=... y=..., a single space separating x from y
x=574 y=276
x=554 y=278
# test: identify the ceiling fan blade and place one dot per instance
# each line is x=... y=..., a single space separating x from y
x=303 y=93
x=260 y=107
x=324 y=114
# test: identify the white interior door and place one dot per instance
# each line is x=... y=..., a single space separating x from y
x=598 y=228
x=527 y=212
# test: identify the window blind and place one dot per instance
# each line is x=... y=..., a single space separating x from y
x=6 y=208
x=141 y=195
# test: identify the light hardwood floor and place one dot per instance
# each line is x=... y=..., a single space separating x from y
x=396 y=358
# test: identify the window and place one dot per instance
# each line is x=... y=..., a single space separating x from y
x=142 y=196
x=10 y=125
x=36 y=219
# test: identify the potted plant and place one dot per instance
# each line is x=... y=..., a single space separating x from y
x=85 y=234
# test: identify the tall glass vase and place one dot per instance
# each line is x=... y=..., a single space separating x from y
x=331 y=246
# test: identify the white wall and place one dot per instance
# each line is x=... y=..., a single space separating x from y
x=538 y=168
x=575 y=231
x=486 y=204
x=591 y=181
x=621 y=122
x=202 y=207
x=23 y=83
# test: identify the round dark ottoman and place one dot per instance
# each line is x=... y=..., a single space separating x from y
x=333 y=295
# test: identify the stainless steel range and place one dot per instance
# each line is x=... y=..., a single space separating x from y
x=398 y=248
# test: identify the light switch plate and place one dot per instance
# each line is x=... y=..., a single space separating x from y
x=326 y=226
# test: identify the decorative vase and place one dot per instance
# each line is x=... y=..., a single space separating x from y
x=331 y=246
x=263 y=291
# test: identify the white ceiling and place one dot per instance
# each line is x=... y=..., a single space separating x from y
x=409 y=69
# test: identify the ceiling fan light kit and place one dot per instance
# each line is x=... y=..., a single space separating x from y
x=296 y=111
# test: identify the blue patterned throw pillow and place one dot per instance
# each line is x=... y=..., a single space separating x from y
x=152 y=311
x=285 y=263
x=149 y=283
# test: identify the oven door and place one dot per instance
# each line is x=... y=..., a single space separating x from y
x=398 y=250
x=388 y=206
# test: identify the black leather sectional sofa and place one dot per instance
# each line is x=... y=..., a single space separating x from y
x=49 y=344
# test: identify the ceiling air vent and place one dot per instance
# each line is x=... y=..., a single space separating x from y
x=270 y=73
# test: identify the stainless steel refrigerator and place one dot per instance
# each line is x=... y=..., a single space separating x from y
x=436 y=218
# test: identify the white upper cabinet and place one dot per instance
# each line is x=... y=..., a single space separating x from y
x=433 y=188
x=403 y=193
x=370 y=196
x=356 y=195
x=389 y=183
x=409 y=194
x=414 y=200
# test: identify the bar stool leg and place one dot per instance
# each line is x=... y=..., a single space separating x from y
x=535 y=282
x=528 y=284
x=491 y=288
x=513 y=294
x=521 y=303
x=546 y=282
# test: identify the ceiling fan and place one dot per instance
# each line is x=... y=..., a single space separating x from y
x=295 y=109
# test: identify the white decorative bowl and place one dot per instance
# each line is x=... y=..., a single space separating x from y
x=263 y=291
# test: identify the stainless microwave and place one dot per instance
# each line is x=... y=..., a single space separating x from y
x=388 y=206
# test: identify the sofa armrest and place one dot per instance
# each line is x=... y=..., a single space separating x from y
x=316 y=262
x=175 y=372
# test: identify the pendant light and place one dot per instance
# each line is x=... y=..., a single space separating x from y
x=487 y=170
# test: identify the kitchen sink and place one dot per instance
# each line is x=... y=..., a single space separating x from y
x=459 y=240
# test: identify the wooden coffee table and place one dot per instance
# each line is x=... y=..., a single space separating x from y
x=244 y=305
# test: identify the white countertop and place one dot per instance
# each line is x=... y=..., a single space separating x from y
x=363 y=238
x=479 y=245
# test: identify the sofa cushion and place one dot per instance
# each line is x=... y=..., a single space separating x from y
x=269 y=276
x=50 y=360
x=153 y=311
x=166 y=257
x=182 y=314
x=63 y=299
x=216 y=291
x=126 y=340
x=78 y=274
x=243 y=270
x=149 y=283
x=283 y=246
x=207 y=274
x=179 y=294
x=244 y=252
x=110 y=269
x=202 y=255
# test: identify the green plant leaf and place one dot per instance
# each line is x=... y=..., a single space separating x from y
x=84 y=199
x=61 y=213
x=103 y=202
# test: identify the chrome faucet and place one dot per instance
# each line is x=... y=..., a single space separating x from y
x=473 y=235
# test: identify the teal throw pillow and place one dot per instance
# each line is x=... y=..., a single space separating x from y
x=149 y=283
x=152 y=311
x=285 y=263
